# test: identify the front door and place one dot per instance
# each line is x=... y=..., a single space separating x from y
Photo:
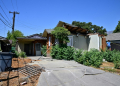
x=38 y=49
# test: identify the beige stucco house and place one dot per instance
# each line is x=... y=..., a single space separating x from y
x=79 y=38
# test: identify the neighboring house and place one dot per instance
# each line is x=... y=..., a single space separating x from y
x=115 y=40
x=31 y=44
x=79 y=38
x=4 y=44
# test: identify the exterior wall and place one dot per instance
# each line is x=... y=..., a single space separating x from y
x=20 y=47
x=80 y=42
x=93 y=42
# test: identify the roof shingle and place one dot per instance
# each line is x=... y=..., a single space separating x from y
x=113 y=36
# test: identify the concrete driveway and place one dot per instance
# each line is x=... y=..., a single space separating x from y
x=70 y=73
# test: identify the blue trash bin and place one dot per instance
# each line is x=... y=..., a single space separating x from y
x=5 y=60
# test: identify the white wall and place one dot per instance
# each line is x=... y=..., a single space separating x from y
x=93 y=42
x=20 y=47
x=80 y=42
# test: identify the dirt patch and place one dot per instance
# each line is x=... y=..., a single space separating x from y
x=11 y=78
x=20 y=62
x=109 y=67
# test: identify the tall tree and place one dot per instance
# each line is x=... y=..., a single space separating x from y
x=13 y=36
x=117 y=29
x=61 y=33
x=89 y=26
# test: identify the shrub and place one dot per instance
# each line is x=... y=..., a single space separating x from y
x=91 y=58
x=68 y=53
x=16 y=54
x=56 y=52
x=43 y=49
x=22 y=54
x=78 y=54
x=62 y=52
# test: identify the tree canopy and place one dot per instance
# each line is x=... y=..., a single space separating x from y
x=89 y=26
x=61 y=33
x=13 y=36
x=117 y=29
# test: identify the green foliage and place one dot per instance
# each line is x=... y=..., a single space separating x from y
x=91 y=58
x=13 y=36
x=117 y=29
x=41 y=34
x=22 y=54
x=44 y=48
x=58 y=52
x=68 y=53
x=117 y=64
x=90 y=27
x=78 y=54
x=16 y=54
x=61 y=33
x=110 y=56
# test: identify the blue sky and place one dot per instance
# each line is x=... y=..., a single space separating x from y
x=37 y=15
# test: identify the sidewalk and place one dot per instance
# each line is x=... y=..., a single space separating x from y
x=70 y=73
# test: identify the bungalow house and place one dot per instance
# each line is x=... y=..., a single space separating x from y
x=115 y=40
x=79 y=38
x=4 y=44
x=31 y=44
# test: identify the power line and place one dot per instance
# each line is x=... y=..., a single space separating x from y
x=4 y=5
x=12 y=5
x=26 y=25
x=5 y=19
x=16 y=5
x=5 y=13
x=5 y=23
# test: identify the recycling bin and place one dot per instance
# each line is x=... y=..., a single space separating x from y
x=5 y=60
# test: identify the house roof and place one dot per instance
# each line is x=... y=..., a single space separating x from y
x=34 y=36
x=113 y=36
x=2 y=38
x=71 y=28
x=47 y=31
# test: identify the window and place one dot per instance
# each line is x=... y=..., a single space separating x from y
x=56 y=41
x=71 y=41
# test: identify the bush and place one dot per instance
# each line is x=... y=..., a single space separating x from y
x=77 y=54
x=68 y=53
x=43 y=49
x=62 y=52
x=91 y=58
x=22 y=54
x=16 y=55
x=109 y=55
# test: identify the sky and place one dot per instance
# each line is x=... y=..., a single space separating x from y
x=37 y=15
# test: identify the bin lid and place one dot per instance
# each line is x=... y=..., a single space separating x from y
x=6 y=53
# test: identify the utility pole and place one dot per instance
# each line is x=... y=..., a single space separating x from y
x=13 y=19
